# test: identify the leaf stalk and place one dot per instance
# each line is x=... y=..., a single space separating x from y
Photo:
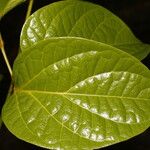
x=4 y=55
x=29 y=8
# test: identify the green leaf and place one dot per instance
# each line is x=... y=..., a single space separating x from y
x=73 y=93
x=7 y=5
x=81 y=19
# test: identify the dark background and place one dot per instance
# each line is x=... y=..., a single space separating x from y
x=135 y=13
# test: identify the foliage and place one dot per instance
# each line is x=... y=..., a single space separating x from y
x=81 y=19
x=7 y=5
x=76 y=81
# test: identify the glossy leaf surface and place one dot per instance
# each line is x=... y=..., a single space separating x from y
x=81 y=19
x=7 y=5
x=72 y=93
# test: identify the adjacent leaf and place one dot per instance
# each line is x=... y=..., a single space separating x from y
x=7 y=5
x=81 y=19
x=72 y=93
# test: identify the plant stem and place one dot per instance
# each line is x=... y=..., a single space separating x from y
x=29 y=8
x=4 y=55
x=28 y=13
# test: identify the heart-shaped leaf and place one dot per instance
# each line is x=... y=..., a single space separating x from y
x=72 y=93
x=7 y=5
x=81 y=19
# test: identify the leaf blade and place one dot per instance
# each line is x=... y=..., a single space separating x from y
x=7 y=5
x=91 y=22
x=56 y=106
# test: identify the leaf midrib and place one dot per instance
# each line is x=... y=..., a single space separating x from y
x=79 y=94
